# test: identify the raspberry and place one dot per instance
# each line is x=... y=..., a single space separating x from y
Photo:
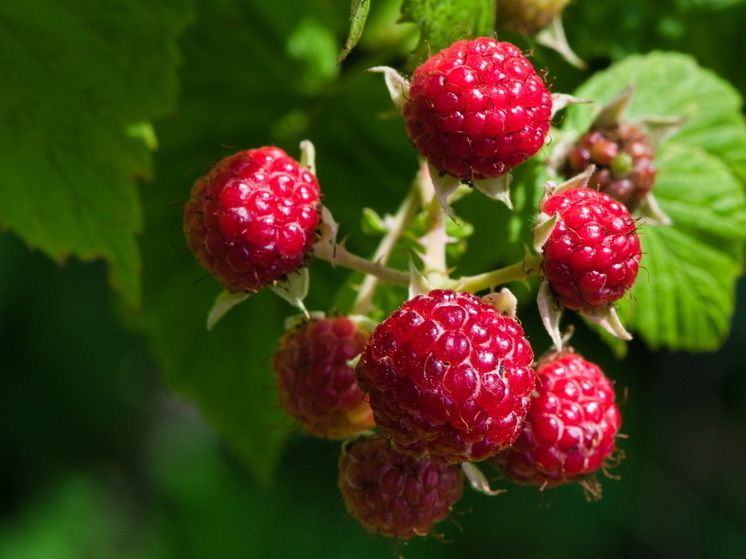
x=592 y=255
x=393 y=494
x=252 y=219
x=477 y=109
x=527 y=16
x=316 y=385
x=448 y=377
x=623 y=157
x=570 y=428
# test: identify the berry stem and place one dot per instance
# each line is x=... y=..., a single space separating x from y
x=396 y=225
x=340 y=256
x=520 y=271
x=434 y=241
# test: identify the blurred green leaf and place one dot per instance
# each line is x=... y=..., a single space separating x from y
x=80 y=519
x=313 y=44
x=710 y=4
x=443 y=22
x=80 y=85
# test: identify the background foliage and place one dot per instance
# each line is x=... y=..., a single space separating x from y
x=129 y=431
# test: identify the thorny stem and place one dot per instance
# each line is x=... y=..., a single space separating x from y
x=364 y=301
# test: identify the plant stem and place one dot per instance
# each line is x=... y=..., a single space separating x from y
x=520 y=271
x=340 y=256
x=435 y=239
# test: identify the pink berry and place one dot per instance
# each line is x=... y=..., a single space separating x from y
x=316 y=384
x=592 y=256
x=571 y=426
x=448 y=377
x=477 y=109
x=252 y=219
x=393 y=494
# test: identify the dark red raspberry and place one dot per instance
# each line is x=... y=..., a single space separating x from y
x=448 y=377
x=393 y=494
x=592 y=255
x=477 y=109
x=527 y=16
x=252 y=219
x=316 y=384
x=571 y=427
x=624 y=160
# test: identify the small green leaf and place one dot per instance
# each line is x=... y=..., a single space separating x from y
x=358 y=14
x=224 y=302
x=371 y=223
x=684 y=296
x=443 y=22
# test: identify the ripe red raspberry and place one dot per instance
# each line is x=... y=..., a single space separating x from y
x=316 y=384
x=393 y=494
x=448 y=377
x=570 y=428
x=252 y=219
x=623 y=157
x=527 y=16
x=477 y=109
x=592 y=255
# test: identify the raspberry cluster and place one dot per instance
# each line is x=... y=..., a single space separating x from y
x=592 y=256
x=448 y=377
x=252 y=219
x=477 y=109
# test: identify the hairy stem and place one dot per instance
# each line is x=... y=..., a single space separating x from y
x=340 y=256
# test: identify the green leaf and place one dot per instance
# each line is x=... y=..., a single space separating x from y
x=80 y=84
x=672 y=84
x=358 y=14
x=443 y=22
x=684 y=296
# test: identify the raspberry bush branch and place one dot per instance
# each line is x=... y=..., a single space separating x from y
x=448 y=377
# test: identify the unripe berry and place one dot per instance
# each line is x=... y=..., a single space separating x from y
x=393 y=494
x=316 y=384
x=527 y=16
x=624 y=159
